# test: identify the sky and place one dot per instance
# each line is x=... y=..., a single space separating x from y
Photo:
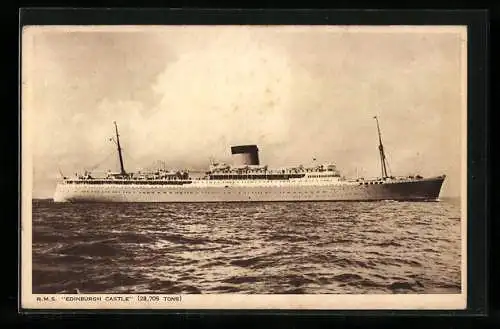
x=185 y=94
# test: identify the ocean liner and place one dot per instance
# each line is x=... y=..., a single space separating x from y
x=246 y=180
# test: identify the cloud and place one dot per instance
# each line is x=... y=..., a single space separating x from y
x=233 y=91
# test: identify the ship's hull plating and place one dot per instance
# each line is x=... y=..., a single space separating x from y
x=410 y=190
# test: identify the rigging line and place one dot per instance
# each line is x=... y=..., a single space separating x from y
x=134 y=162
x=151 y=166
x=102 y=161
x=388 y=166
x=91 y=168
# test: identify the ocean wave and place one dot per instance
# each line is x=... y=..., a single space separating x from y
x=264 y=248
x=102 y=248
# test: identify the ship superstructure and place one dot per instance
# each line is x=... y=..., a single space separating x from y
x=245 y=179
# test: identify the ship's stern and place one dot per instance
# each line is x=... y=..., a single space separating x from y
x=60 y=194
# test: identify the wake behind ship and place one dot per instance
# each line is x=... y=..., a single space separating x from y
x=246 y=180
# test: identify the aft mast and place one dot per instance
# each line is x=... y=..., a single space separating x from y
x=381 y=151
x=122 y=169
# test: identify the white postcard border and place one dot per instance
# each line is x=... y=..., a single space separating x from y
x=231 y=301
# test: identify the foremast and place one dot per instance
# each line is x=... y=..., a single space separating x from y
x=381 y=151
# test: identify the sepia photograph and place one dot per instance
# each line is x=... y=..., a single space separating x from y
x=244 y=167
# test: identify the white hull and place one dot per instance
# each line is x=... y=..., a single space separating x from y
x=236 y=191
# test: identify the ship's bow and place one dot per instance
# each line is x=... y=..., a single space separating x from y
x=429 y=189
x=423 y=189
